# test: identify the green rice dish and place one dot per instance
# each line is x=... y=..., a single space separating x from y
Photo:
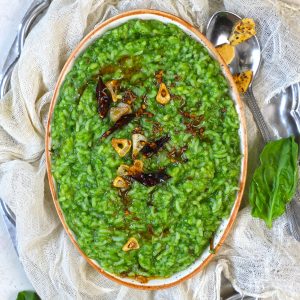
x=173 y=220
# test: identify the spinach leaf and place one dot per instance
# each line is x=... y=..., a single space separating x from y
x=275 y=181
x=28 y=295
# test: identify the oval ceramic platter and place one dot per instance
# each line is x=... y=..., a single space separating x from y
x=222 y=232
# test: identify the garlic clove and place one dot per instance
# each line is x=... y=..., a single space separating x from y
x=163 y=96
x=138 y=166
x=122 y=146
x=118 y=111
x=125 y=170
x=120 y=182
x=113 y=86
x=132 y=244
x=138 y=142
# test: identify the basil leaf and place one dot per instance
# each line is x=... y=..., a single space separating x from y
x=275 y=181
x=28 y=295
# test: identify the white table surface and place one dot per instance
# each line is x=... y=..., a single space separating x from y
x=12 y=276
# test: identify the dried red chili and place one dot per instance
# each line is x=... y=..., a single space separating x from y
x=153 y=147
x=104 y=98
x=151 y=179
x=123 y=121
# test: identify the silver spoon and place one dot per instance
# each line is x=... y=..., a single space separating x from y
x=284 y=118
x=247 y=57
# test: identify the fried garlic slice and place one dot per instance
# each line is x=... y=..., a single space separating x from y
x=122 y=146
x=163 y=96
x=120 y=182
x=132 y=244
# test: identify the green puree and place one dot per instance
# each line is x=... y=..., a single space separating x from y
x=174 y=221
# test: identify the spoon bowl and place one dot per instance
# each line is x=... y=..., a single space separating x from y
x=247 y=57
x=247 y=54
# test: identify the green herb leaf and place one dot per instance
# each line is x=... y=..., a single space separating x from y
x=275 y=181
x=28 y=295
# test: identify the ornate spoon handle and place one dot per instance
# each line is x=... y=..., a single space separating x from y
x=257 y=115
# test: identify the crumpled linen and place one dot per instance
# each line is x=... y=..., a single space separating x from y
x=258 y=261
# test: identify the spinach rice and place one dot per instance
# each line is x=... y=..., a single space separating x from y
x=173 y=221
